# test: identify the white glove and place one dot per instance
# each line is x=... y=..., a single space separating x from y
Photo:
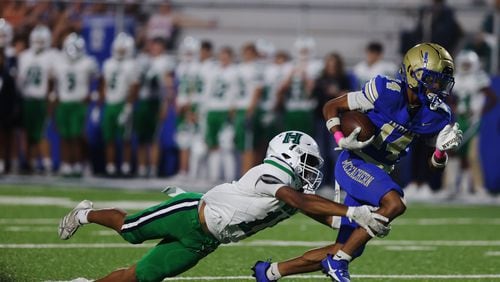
x=94 y=115
x=370 y=221
x=125 y=114
x=449 y=138
x=351 y=142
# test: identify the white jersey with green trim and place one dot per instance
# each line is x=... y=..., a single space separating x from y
x=274 y=76
x=154 y=71
x=237 y=210
x=35 y=70
x=298 y=98
x=188 y=87
x=468 y=91
x=222 y=89
x=119 y=75
x=74 y=77
x=250 y=77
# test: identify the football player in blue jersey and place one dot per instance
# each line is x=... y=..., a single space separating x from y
x=401 y=111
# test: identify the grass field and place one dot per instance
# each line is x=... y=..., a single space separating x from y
x=429 y=243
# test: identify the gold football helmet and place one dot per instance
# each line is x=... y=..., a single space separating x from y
x=428 y=70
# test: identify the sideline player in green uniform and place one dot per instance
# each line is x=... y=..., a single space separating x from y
x=74 y=73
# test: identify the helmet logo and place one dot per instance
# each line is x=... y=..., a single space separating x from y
x=426 y=59
x=293 y=137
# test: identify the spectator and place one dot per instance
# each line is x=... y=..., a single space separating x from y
x=166 y=24
x=437 y=24
x=483 y=41
x=332 y=83
x=373 y=64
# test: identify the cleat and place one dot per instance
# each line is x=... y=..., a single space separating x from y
x=259 y=271
x=69 y=224
x=336 y=269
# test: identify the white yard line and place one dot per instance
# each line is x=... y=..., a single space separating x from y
x=363 y=276
x=68 y=203
x=492 y=253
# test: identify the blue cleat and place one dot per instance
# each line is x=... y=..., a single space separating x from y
x=259 y=271
x=336 y=269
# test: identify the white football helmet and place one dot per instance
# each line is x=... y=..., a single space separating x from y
x=189 y=49
x=304 y=48
x=301 y=153
x=467 y=62
x=123 y=46
x=266 y=49
x=5 y=33
x=74 y=46
x=40 y=38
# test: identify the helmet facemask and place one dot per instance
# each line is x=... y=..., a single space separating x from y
x=433 y=86
x=308 y=169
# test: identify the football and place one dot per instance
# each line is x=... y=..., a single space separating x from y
x=352 y=119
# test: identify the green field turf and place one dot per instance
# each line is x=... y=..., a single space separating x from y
x=429 y=243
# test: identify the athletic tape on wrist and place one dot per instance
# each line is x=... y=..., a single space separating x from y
x=334 y=121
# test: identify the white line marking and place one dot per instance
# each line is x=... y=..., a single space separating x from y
x=492 y=253
x=41 y=221
x=364 y=276
x=68 y=203
x=29 y=229
x=410 y=248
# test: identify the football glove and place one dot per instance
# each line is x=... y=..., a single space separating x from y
x=449 y=138
x=372 y=222
x=351 y=142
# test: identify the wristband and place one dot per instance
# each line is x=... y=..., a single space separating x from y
x=350 y=212
x=334 y=121
x=441 y=164
x=338 y=135
x=439 y=154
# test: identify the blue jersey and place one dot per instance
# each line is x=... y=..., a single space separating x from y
x=395 y=129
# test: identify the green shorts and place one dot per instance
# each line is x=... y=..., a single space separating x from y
x=146 y=120
x=215 y=122
x=299 y=120
x=247 y=130
x=34 y=117
x=70 y=119
x=111 y=129
x=184 y=242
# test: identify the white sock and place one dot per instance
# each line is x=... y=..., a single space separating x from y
x=341 y=255
x=47 y=163
x=125 y=168
x=110 y=168
x=229 y=165
x=214 y=165
x=142 y=171
x=272 y=272
x=81 y=215
x=2 y=166
x=77 y=168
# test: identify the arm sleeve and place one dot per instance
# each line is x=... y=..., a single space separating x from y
x=268 y=184
x=358 y=101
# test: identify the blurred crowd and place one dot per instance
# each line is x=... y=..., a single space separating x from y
x=219 y=106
